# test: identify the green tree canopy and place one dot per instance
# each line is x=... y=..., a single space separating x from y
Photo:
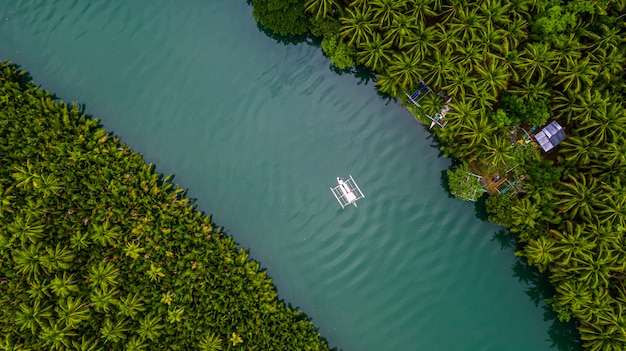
x=464 y=185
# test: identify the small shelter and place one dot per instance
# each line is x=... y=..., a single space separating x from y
x=550 y=136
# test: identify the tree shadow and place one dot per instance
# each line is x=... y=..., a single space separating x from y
x=386 y=98
x=564 y=335
x=22 y=77
x=445 y=184
x=282 y=39
x=505 y=238
x=364 y=75
x=341 y=71
x=480 y=208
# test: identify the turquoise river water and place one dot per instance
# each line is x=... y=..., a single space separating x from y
x=258 y=131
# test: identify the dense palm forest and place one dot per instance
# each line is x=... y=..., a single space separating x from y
x=99 y=252
x=507 y=68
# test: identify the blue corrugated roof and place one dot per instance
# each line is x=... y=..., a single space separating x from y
x=550 y=136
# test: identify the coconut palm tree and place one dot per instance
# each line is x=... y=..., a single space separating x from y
x=537 y=61
x=492 y=39
x=55 y=337
x=562 y=103
x=572 y=242
x=496 y=12
x=499 y=152
x=578 y=196
x=421 y=10
x=130 y=305
x=614 y=155
x=446 y=40
x=598 y=337
x=375 y=54
x=356 y=26
x=421 y=42
x=579 y=151
x=387 y=84
x=385 y=11
x=136 y=343
x=605 y=37
x=63 y=285
x=400 y=30
x=589 y=101
x=463 y=110
x=114 y=331
x=517 y=32
x=492 y=78
x=605 y=126
x=574 y=294
x=467 y=23
x=72 y=311
x=86 y=344
x=103 y=298
x=567 y=47
x=470 y=56
x=322 y=8
x=103 y=275
x=477 y=132
x=522 y=8
x=211 y=342
x=33 y=316
x=30 y=261
x=150 y=327
x=404 y=68
x=461 y=81
x=612 y=207
x=525 y=214
x=437 y=68
x=451 y=10
x=540 y=252
x=577 y=74
x=610 y=62
x=596 y=271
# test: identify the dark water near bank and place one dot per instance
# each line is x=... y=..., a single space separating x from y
x=258 y=131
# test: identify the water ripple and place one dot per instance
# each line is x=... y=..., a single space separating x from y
x=259 y=132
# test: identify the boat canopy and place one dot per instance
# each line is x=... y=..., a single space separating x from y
x=347 y=192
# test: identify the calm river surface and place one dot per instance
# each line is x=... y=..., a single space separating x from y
x=258 y=131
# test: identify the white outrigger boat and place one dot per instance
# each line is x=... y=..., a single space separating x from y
x=347 y=192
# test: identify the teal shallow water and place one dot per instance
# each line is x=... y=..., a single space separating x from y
x=258 y=131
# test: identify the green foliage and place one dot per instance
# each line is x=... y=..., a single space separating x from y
x=569 y=211
x=463 y=185
x=325 y=27
x=542 y=174
x=554 y=21
x=535 y=113
x=285 y=17
x=500 y=118
x=99 y=252
x=498 y=209
x=341 y=55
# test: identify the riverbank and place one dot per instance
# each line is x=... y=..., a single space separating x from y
x=131 y=263
x=505 y=66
